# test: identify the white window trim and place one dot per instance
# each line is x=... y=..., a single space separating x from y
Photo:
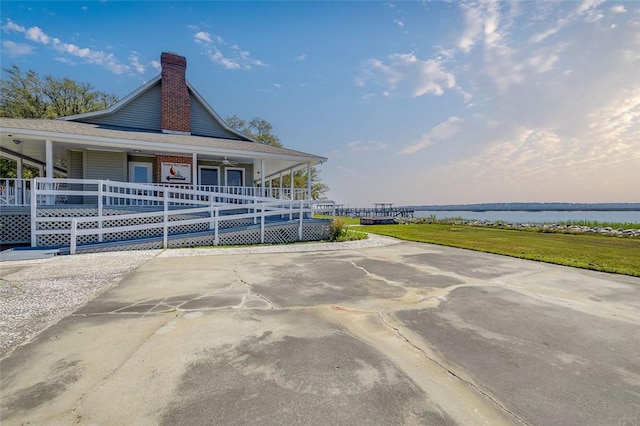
x=200 y=168
x=148 y=166
x=234 y=168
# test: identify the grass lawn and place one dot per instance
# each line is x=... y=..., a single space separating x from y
x=596 y=252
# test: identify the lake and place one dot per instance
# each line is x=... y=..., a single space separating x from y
x=542 y=216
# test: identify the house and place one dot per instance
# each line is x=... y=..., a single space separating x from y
x=161 y=149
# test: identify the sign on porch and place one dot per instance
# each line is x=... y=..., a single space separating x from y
x=175 y=173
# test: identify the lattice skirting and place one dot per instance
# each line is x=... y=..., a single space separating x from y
x=285 y=233
x=57 y=240
x=15 y=228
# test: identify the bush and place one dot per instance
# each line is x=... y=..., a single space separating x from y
x=339 y=231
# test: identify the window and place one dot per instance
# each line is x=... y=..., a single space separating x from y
x=209 y=176
x=140 y=172
x=234 y=177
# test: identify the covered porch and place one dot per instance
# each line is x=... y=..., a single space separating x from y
x=87 y=151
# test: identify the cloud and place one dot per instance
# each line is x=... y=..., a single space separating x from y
x=541 y=164
x=544 y=59
x=537 y=38
x=12 y=48
x=588 y=5
x=482 y=21
x=156 y=65
x=417 y=77
x=571 y=133
x=135 y=63
x=12 y=26
x=37 y=35
x=229 y=57
x=444 y=130
x=96 y=57
x=362 y=146
x=587 y=9
x=618 y=9
x=301 y=57
x=202 y=37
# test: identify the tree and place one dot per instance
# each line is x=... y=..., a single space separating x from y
x=262 y=131
x=26 y=95
x=257 y=129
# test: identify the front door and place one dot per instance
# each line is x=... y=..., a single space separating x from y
x=140 y=173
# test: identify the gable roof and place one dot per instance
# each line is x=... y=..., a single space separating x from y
x=140 y=110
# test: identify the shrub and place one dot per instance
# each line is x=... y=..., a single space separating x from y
x=337 y=229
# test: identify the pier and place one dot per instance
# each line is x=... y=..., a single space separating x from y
x=379 y=210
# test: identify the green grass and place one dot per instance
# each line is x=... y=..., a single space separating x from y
x=587 y=251
x=346 y=220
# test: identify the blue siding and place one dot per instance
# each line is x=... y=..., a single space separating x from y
x=106 y=165
x=204 y=124
x=142 y=112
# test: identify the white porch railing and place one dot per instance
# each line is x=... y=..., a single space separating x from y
x=14 y=192
x=17 y=192
x=250 y=191
x=169 y=205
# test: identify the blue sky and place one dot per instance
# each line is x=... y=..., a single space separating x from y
x=412 y=102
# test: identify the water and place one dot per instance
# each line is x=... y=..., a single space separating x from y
x=543 y=216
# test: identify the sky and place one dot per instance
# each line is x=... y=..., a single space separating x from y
x=412 y=102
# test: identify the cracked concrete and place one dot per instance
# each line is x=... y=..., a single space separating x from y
x=402 y=334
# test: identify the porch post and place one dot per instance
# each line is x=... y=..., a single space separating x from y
x=34 y=211
x=19 y=184
x=194 y=171
x=308 y=181
x=19 y=168
x=280 y=178
x=262 y=177
x=49 y=158
x=49 y=171
x=292 y=186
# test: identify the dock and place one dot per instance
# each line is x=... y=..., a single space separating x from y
x=379 y=210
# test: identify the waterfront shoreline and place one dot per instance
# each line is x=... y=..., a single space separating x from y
x=539 y=227
x=539 y=217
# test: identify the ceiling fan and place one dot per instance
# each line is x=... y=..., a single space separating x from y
x=226 y=162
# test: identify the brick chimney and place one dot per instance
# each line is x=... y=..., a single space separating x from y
x=176 y=108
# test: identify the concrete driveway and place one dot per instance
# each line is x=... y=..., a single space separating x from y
x=406 y=333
